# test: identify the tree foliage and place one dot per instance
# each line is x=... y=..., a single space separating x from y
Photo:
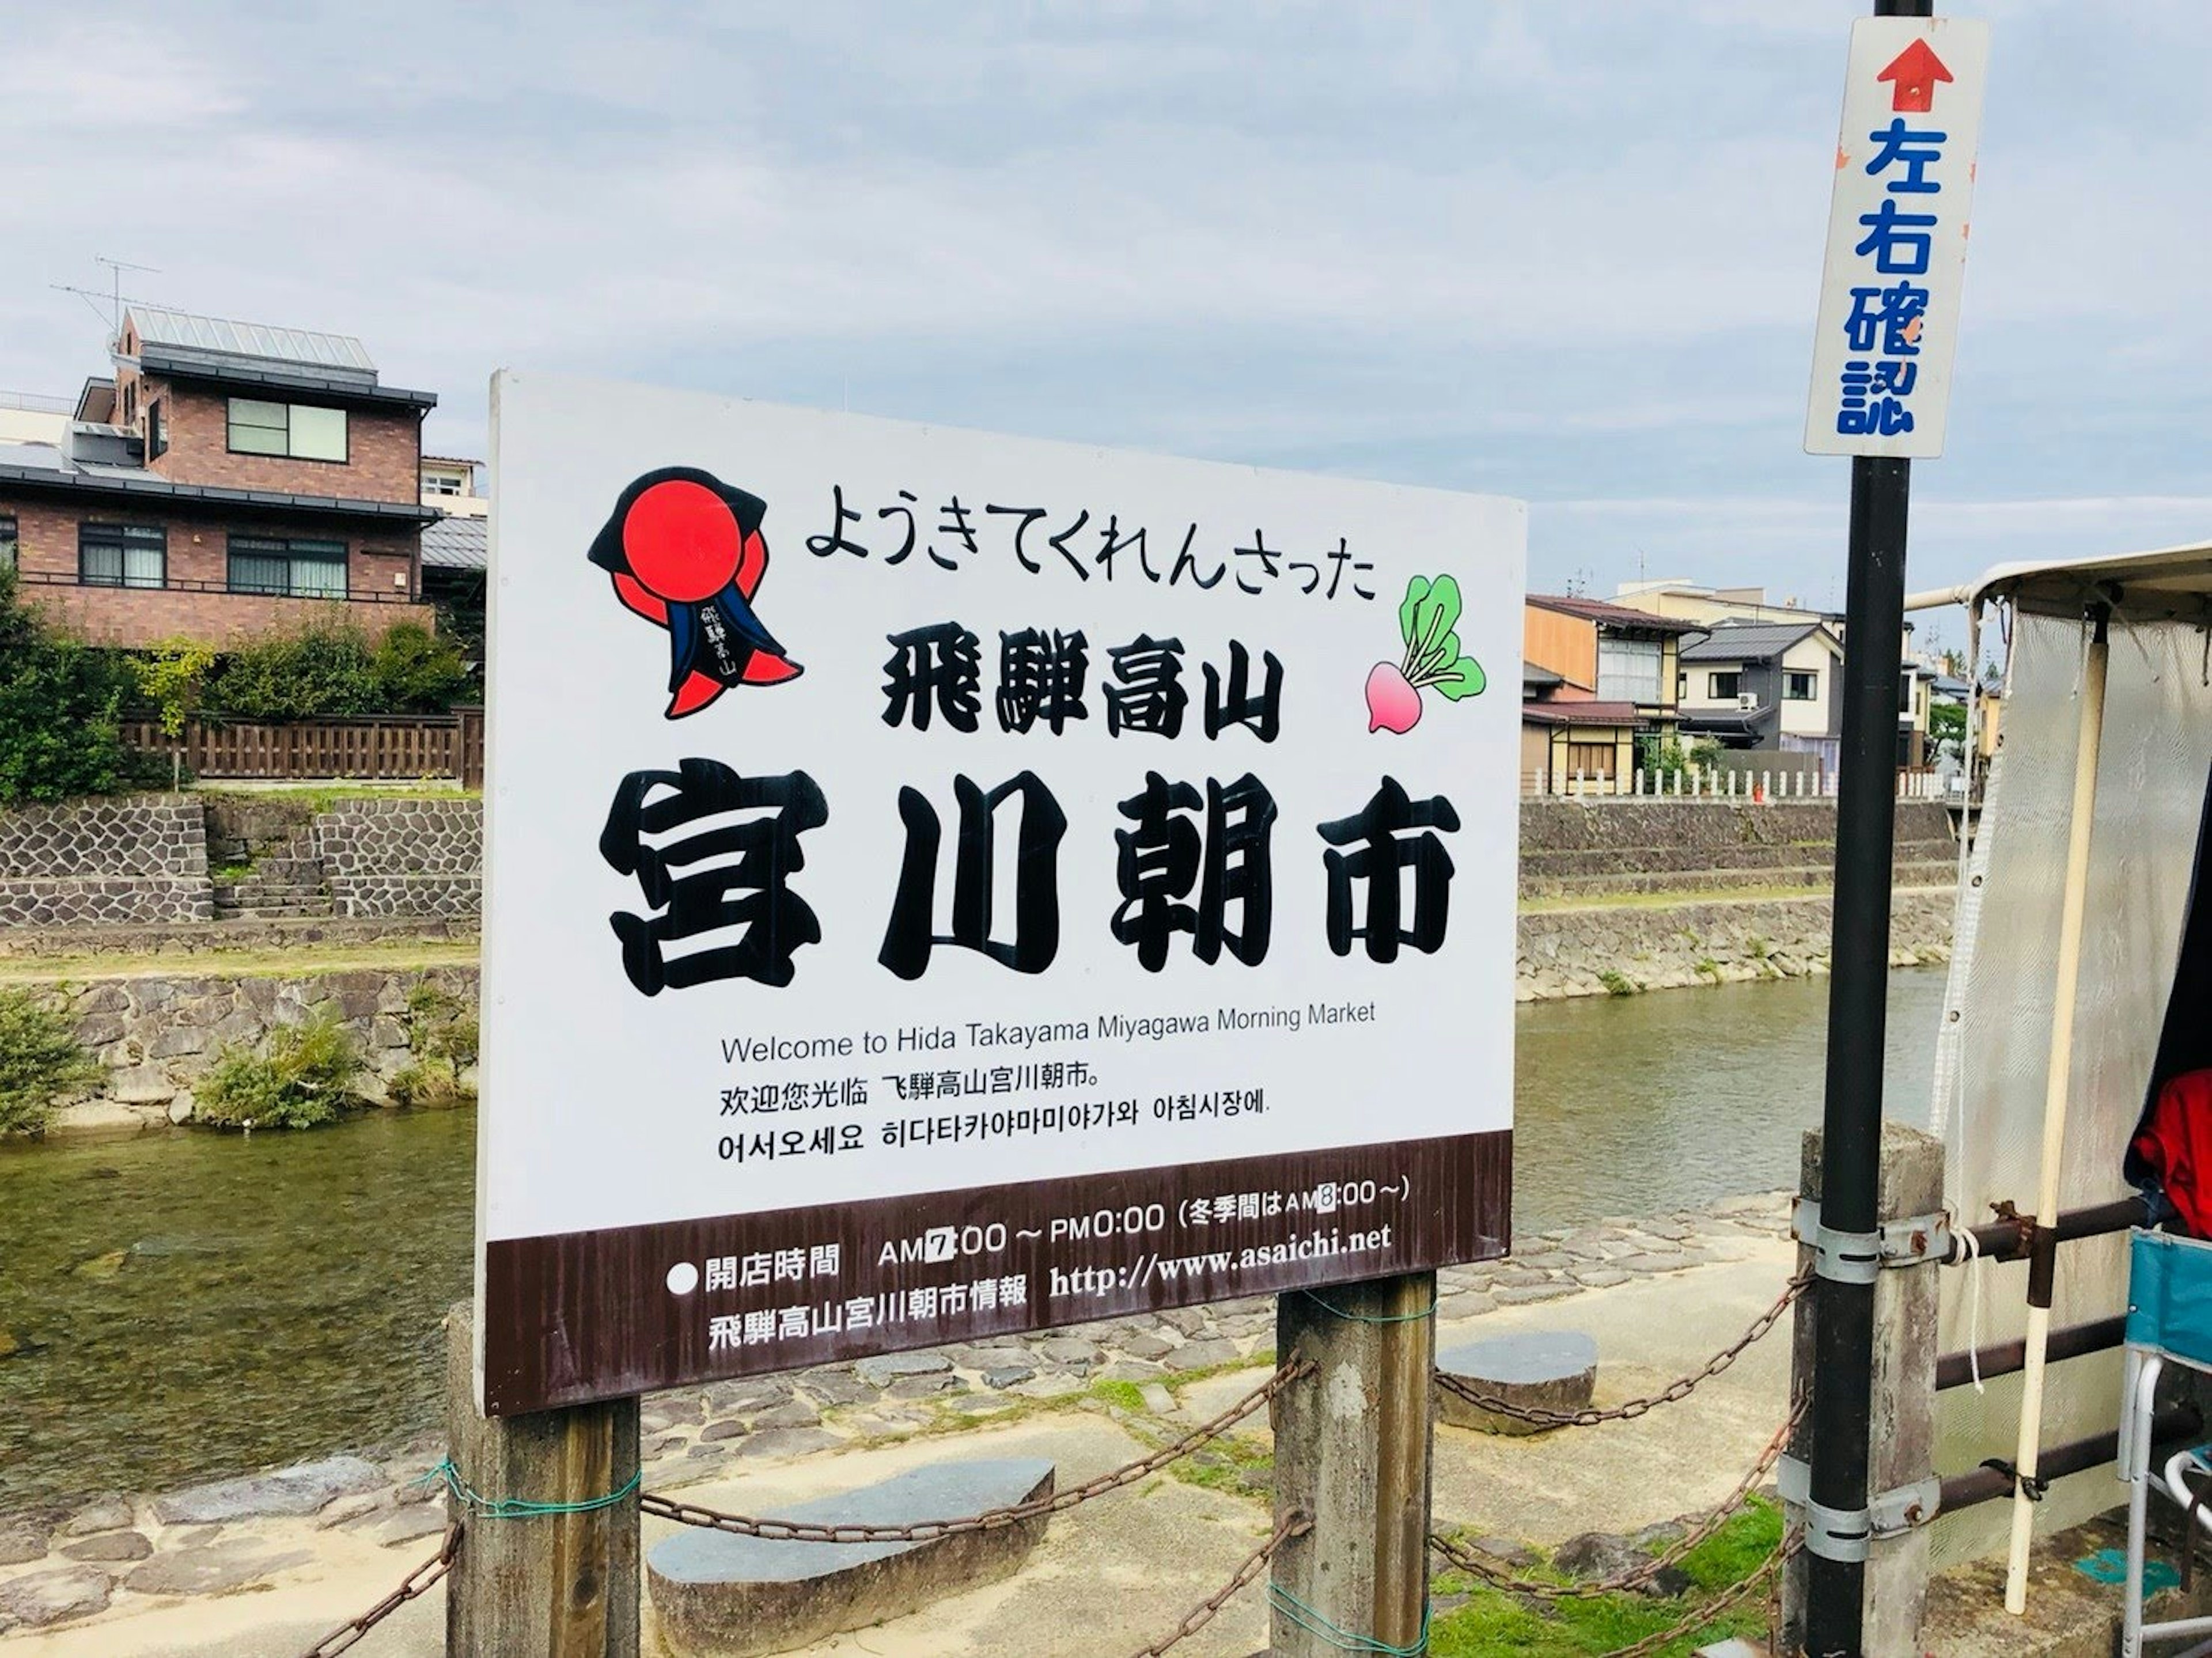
x=172 y=676
x=61 y=709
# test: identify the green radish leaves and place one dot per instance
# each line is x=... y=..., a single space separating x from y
x=1427 y=617
x=1465 y=678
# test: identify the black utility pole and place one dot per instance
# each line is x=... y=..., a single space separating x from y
x=1858 y=992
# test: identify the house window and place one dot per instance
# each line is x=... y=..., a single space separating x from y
x=1723 y=687
x=157 y=435
x=1800 y=685
x=441 y=484
x=1590 y=759
x=1628 y=670
x=122 y=554
x=293 y=568
x=298 y=431
x=7 y=541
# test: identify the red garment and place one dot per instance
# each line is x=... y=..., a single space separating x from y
x=2175 y=1144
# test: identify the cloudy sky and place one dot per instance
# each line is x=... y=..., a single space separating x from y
x=1566 y=251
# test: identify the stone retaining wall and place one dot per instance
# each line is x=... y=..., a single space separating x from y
x=127 y=859
x=404 y=857
x=1619 y=949
x=156 y=1036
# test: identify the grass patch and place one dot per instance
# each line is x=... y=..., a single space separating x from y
x=1672 y=898
x=305 y=962
x=1236 y=1463
x=1122 y=1395
x=1491 y=1622
x=1619 y=984
x=304 y=1080
x=321 y=797
x=1707 y=967
x=441 y=1030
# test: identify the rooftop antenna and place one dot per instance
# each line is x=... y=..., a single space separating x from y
x=113 y=296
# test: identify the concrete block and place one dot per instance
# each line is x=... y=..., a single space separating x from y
x=1543 y=1369
x=719 y=1595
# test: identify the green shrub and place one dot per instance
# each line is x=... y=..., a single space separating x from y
x=40 y=1062
x=304 y=1080
x=441 y=1028
x=1619 y=984
x=61 y=708
x=323 y=671
x=416 y=671
x=330 y=669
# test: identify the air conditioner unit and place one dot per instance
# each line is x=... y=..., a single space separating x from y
x=1747 y=700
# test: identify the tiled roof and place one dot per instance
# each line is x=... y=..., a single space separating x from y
x=455 y=543
x=1580 y=714
x=1747 y=641
x=1618 y=615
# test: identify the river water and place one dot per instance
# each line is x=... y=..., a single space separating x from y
x=178 y=1305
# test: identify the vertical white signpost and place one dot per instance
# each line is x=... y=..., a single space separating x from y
x=1898 y=221
x=1897 y=226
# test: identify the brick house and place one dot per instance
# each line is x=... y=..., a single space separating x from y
x=229 y=480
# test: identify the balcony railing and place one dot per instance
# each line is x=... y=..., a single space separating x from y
x=176 y=584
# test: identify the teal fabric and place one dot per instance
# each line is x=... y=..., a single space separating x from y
x=2170 y=1296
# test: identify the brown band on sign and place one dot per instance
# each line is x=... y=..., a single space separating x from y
x=632 y=1309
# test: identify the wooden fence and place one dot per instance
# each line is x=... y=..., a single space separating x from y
x=399 y=747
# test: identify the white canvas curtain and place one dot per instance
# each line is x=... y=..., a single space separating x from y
x=1995 y=1029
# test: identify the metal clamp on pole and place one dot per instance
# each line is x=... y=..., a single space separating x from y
x=1860 y=1257
x=1849 y=1533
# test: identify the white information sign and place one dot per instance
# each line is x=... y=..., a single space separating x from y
x=941 y=884
x=1897 y=237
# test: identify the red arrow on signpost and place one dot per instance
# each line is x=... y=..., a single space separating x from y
x=1915 y=70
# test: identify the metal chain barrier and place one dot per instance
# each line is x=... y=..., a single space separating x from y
x=1675 y=1391
x=1203 y=1613
x=416 y=1583
x=1462 y=1558
x=691 y=1513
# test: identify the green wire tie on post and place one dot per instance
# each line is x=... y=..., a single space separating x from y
x=521 y=1508
x=1313 y=1622
x=1428 y=1311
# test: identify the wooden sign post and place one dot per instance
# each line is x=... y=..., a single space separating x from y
x=1353 y=1445
x=546 y=1569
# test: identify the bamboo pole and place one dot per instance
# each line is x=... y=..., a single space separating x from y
x=2055 y=1094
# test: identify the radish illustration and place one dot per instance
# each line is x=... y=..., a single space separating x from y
x=1426 y=618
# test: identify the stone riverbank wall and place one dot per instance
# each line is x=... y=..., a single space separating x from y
x=1572 y=848
x=155 y=1035
x=133 y=859
x=1621 y=950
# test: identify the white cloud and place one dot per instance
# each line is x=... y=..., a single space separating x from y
x=1565 y=251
